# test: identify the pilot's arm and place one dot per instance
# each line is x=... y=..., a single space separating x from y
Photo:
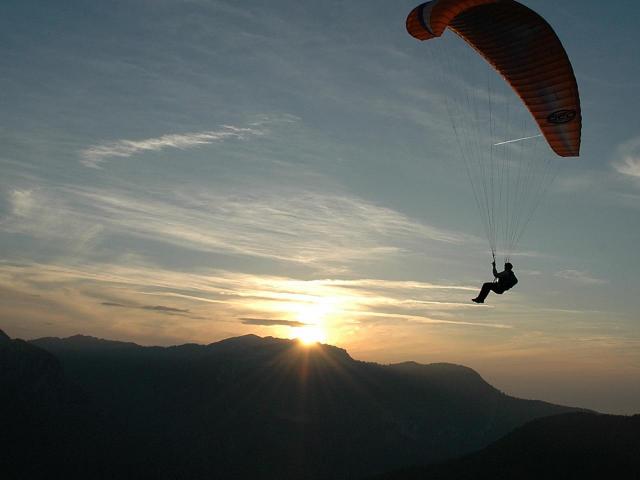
x=495 y=272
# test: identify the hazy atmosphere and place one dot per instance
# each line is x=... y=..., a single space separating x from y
x=184 y=171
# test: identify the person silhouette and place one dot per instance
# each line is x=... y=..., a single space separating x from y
x=505 y=280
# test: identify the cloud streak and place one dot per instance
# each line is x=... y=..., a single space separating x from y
x=154 y=308
x=581 y=277
x=630 y=166
x=327 y=230
x=265 y=322
x=95 y=155
x=629 y=162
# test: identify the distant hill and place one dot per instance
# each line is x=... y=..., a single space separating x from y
x=266 y=408
x=569 y=446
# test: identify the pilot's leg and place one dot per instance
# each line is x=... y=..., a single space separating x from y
x=484 y=291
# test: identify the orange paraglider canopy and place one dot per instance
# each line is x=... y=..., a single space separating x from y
x=524 y=49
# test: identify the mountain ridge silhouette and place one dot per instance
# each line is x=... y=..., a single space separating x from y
x=266 y=408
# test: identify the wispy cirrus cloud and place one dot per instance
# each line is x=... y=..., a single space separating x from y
x=95 y=155
x=295 y=224
x=21 y=202
x=629 y=166
x=580 y=276
x=628 y=163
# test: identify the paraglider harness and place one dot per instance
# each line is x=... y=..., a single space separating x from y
x=507 y=283
x=504 y=284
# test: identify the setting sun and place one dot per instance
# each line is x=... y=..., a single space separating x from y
x=310 y=334
x=313 y=315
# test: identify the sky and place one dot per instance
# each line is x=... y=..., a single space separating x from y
x=179 y=171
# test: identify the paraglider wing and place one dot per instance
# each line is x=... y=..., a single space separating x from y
x=524 y=49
